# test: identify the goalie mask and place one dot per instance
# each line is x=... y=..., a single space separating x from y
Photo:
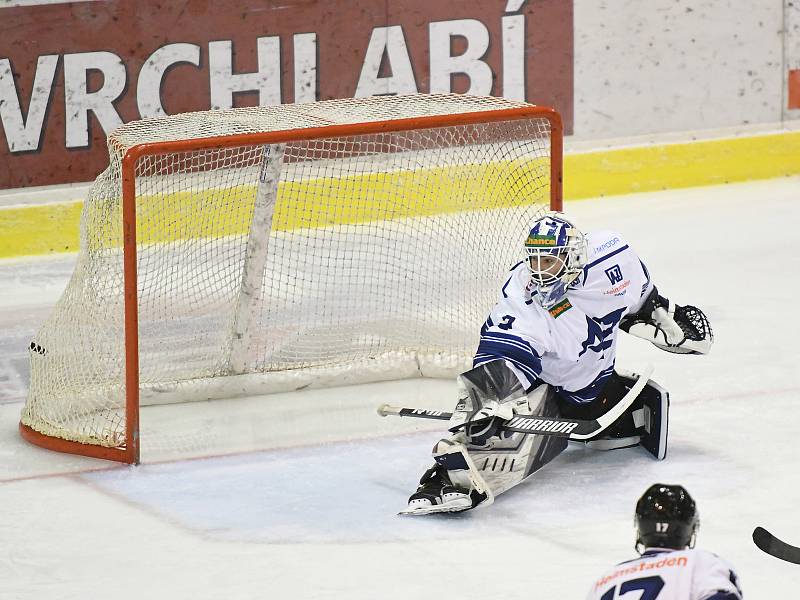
x=666 y=517
x=556 y=254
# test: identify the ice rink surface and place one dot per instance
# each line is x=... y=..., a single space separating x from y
x=295 y=495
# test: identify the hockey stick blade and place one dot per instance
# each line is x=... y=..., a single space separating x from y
x=574 y=429
x=775 y=547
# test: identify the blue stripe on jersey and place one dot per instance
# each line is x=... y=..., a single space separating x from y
x=509 y=345
x=601 y=259
x=494 y=345
x=646 y=278
x=645 y=271
x=734 y=580
x=503 y=290
x=489 y=323
x=590 y=392
x=606 y=257
x=530 y=374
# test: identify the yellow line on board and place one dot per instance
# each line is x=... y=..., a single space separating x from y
x=314 y=203
x=693 y=164
x=40 y=229
x=51 y=228
x=307 y=203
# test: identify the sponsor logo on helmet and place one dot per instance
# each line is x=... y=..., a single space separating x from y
x=560 y=308
x=536 y=241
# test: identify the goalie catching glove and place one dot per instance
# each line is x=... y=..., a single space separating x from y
x=678 y=329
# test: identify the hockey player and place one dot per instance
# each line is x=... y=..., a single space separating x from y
x=669 y=568
x=548 y=349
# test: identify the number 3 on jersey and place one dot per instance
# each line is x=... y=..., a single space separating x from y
x=649 y=586
x=507 y=321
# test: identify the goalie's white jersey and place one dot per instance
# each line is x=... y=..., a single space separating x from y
x=669 y=575
x=572 y=346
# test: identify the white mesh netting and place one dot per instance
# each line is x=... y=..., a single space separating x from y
x=272 y=267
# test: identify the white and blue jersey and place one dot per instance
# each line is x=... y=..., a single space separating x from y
x=571 y=346
x=661 y=574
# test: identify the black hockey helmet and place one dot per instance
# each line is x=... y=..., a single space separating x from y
x=666 y=517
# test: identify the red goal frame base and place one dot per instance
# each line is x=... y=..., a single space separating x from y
x=32 y=436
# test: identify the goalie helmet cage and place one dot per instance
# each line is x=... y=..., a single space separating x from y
x=243 y=251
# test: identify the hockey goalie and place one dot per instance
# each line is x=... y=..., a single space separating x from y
x=547 y=350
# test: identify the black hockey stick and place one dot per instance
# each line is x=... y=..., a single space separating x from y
x=777 y=548
x=574 y=429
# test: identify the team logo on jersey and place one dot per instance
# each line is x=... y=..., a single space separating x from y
x=614 y=274
x=560 y=308
x=600 y=334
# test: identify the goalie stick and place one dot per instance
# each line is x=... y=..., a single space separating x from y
x=574 y=429
x=775 y=547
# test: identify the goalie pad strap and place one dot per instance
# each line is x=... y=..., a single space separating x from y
x=452 y=455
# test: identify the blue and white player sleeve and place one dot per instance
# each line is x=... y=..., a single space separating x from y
x=647 y=287
x=501 y=338
x=496 y=344
x=715 y=579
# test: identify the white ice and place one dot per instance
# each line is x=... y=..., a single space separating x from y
x=295 y=495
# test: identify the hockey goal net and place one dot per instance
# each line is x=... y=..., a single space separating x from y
x=262 y=249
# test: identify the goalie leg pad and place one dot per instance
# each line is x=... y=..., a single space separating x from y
x=484 y=467
x=656 y=420
x=504 y=460
x=614 y=390
x=645 y=423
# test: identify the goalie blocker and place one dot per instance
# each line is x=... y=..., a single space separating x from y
x=481 y=460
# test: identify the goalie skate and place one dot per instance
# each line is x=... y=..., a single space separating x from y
x=436 y=494
x=454 y=504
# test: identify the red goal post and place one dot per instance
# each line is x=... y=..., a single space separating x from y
x=46 y=423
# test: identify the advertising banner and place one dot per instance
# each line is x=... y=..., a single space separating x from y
x=72 y=72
